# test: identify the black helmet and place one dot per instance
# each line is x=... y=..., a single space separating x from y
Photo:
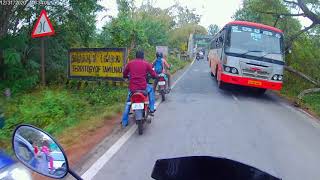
x=140 y=54
x=159 y=55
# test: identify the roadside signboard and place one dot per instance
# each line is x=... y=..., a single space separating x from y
x=97 y=63
x=162 y=49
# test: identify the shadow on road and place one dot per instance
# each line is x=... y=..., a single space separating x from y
x=247 y=92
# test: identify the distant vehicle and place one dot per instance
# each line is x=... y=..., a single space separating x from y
x=248 y=54
x=200 y=55
x=59 y=163
x=58 y=159
x=162 y=86
x=10 y=169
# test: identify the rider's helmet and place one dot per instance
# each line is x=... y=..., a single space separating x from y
x=159 y=55
x=140 y=54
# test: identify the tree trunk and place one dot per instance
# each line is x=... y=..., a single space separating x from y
x=308 y=91
x=311 y=80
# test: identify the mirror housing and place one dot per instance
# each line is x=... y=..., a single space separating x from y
x=39 y=151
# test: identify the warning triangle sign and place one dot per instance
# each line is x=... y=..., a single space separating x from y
x=43 y=26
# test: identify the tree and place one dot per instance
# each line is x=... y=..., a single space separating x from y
x=213 y=29
x=308 y=9
x=253 y=10
x=179 y=37
x=74 y=23
x=184 y=15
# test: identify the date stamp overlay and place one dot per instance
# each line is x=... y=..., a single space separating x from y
x=22 y=2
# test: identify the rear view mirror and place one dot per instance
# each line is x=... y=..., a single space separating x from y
x=40 y=152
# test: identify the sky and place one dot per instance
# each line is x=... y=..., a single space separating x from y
x=212 y=11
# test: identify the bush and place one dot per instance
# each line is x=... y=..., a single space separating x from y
x=55 y=109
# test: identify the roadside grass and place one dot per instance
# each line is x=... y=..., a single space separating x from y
x=177 y=64
x=312 y=102
x=293 y=85
x=56 y=109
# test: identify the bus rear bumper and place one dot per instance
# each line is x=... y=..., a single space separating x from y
x=244 y=81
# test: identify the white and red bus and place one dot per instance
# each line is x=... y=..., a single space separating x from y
x=248 y=54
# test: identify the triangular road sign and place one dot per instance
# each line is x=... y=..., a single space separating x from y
x=43 y=26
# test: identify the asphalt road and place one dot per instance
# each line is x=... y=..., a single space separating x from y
x=200 y=119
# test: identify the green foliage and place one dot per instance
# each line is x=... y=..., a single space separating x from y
x=176 y=64
x=179 y=37
x=184 y=15
x=55 y=109
x=256 y=11
x=313 y=102
x=74 y=23
x=213 y=29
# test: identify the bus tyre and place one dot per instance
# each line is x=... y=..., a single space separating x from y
x=260 y=91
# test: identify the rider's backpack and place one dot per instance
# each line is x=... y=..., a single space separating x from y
x=158 y=66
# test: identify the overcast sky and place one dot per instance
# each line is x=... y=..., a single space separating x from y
x=212 y=11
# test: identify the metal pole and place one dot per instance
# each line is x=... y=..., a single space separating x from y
x=43 y=79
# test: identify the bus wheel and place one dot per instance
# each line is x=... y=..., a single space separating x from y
x=260 y=91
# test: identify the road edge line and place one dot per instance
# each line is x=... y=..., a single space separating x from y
x=98 y=165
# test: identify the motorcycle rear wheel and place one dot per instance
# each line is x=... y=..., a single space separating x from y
x=140 y=127
x=163 y=96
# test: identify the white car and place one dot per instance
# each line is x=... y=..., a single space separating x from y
x=58 y=159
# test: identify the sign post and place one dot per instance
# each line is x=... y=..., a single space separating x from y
x=42 y=28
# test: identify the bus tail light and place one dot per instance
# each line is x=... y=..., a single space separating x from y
x=277 y=77
x=232 y=70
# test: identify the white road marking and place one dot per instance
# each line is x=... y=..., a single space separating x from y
x=305 y=112
x=98 y=165
x=235 y=97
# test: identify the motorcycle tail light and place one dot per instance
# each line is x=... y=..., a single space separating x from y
x=161 y=79
x=138 y=98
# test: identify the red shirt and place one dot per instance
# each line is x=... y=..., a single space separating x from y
x=138 y=70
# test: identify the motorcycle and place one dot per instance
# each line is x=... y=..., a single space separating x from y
x=140 y=106
x=162 y=86
x=186 y=168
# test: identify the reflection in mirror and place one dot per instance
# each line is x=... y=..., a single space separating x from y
x=39 y=152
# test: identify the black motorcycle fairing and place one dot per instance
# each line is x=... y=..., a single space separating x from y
x=206 y=168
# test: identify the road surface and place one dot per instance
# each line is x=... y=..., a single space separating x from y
x=200 y=119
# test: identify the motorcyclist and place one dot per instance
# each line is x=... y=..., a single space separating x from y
x=163 y=69
x=138 y=69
